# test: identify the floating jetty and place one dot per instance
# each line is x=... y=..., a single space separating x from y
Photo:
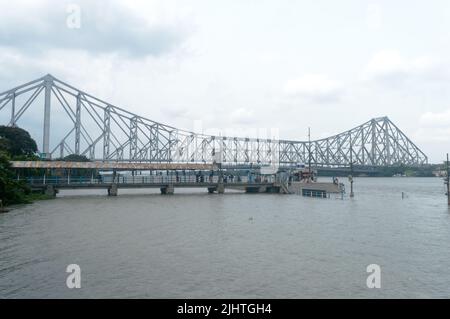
x=315 y=189
x=303 y=181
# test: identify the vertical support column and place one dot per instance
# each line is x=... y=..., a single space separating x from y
x=50 y=191
x=223 y=149
x=92 y=152
x=167 y=154
x=157 y=143
x=351 y=149
x=48 y=82
x=133 y=138
x=106 y=132
x=387 y=142
x=13 y=110
x=363 y=148
x=236 y=150
x=246 y=150
x=113 y=190
x=220 y=185
x=448 y=183
x=193 y=148
x=258 y=151
x=78 y=125
x=351 y=168
x=328 y=152
x=151 y=146
x=316 y=153
x=61 y=150
x=309 y=154
x=221 y=188
x=374 y=137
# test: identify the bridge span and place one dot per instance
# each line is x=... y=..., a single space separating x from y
x=76 y=122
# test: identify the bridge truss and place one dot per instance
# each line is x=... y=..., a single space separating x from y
x=99 y=130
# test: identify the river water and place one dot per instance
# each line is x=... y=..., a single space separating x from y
x=194 y=245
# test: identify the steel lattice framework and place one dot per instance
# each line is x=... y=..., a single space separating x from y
x=102 y=131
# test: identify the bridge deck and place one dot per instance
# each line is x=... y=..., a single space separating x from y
x=242 y=186
x=111 y=165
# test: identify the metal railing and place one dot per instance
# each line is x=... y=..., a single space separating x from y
x=142 y=179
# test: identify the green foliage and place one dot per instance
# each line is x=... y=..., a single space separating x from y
x=4 y=144
x=421 y=171
x=33 y=196
x=15 y=144
x=16 y=141
x=76 y=158
x=79 y=171
x=388 y=171
x=11 y=190
x=26 y=158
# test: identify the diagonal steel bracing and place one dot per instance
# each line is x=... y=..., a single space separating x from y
x=105 y=132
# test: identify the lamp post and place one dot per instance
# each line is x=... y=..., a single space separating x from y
x=350 y=178
x=309 y=154
x=448 y=184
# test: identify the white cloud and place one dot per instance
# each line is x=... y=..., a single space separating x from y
x=438 y=119
x=425 y=135
x=374 y=17
x=316 y=87
x=386 y=62
x=434 y=131
x=242 y=115
x=107 y=27
x=390 y=66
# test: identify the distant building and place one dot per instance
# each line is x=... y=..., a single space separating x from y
x=440 y=173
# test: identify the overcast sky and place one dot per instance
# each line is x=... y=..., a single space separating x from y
x=248 y=64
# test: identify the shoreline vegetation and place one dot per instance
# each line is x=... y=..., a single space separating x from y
x=17 y=144
x=430 y=170
x=27 y=199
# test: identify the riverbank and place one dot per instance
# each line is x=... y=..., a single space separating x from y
x=28 y=199
x=32 y=197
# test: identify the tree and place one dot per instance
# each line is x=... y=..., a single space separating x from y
x=79 y=171
x=16 y=141
x=4 y=145
x=75 y=158
x=11 y=190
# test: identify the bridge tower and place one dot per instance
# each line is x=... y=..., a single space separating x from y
x=48 y=82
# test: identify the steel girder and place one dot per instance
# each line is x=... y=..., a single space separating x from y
x=377 y=142
x=105 y=132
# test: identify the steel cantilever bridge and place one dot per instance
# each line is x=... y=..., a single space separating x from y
x=75 y=122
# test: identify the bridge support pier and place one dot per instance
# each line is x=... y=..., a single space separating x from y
x=272 y=190
x=50 y=190
x=169 y=190
x=256 y=189
x=220 y=188
x=113 y=190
